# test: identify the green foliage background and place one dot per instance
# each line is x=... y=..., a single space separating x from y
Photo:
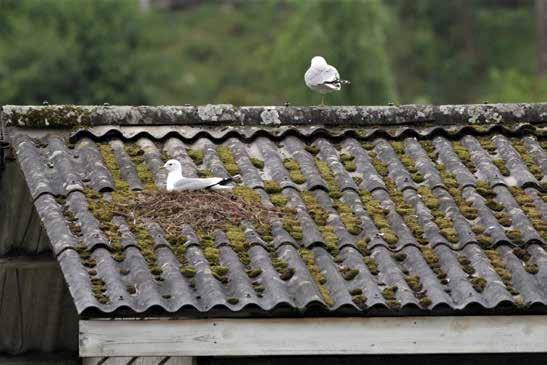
x=402 y=51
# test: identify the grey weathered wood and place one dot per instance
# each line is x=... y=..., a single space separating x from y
x=36 y=310
x=41 y=359
x=44 y=261
x=314 y=336
x=20 y=228
x=140 y=360
x=70 y=116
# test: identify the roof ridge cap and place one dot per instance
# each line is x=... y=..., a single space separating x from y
x=75 y=116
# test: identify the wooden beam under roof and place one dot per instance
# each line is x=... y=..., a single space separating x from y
x=314 y=336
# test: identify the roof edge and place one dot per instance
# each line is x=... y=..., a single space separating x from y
x=75 y=116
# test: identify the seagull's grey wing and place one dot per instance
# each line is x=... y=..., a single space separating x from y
x=196 y=183
x=331 y=74
x=318 y=75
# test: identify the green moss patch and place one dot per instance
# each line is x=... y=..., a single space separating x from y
x=228 y=159
x=429 y=199
x=433 y=262
x=330 y=238
x=371 y=265
x=414 y=282
x=528 y=160
x=465 y=264
x=315 y=210
x=272 y=187
x=188 y=271
x=145 y=175
x=349 y=273
x=312 y=149
x=464 y=155
x=526 y=258
x=294 y=171
x=487 y=144
x=500 y=164
x=348 y=217
x=429 y=148
x=501 y=270
x=406 y=211
x=282 y=267
x=309 y=259
x=360 y=300
x=292 y=225
x=98 y=288
x=379 y=216
x=196 y=155
x=320 y=216
x=327 y=175
x=348 y=161
x=407 y=162
x=527 y=205
x=258 y=163
x=232 y=300
x=253 y=272
x=380 y=167
x=389 y=294
x=279 y=200
x=479 y=283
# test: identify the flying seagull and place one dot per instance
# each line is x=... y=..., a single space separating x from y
x=177 y=182
x=322 y=77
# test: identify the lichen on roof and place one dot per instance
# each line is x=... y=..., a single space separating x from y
x=345 y=216
x=69 y=116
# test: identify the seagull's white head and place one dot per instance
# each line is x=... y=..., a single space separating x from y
x=318 y=60
x=172 y=165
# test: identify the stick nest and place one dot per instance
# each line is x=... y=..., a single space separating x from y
x=204 y=211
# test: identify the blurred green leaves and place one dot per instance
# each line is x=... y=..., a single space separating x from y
x=73 y=52
x=91 y=52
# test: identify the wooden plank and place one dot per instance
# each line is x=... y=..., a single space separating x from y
x=29 y=262
x=314 y=336
x=41 y=359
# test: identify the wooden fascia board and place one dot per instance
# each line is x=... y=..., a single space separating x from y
x=314 y=336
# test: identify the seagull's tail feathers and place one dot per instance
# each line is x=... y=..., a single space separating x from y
x=221 y=184
x=226 y=181
x=336 y=84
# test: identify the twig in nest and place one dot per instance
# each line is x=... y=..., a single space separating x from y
x=203 y=210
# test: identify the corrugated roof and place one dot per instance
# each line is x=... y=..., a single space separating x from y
x=388 y=220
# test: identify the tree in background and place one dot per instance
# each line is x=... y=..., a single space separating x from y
x=350 y=35
x=239 y=52
x=464 y=51
x=541 y=34
x=82 y=52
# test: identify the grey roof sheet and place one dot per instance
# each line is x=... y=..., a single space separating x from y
x=444 y=225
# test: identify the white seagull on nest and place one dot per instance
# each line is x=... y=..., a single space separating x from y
x=322 y=77
x=177 y=182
